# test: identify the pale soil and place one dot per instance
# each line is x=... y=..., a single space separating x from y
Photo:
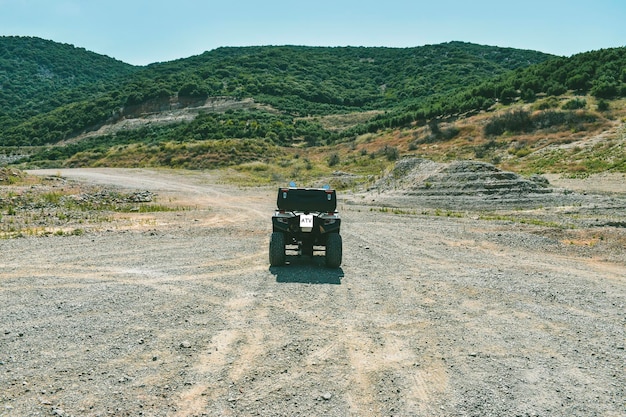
x=179 y=314
x=176 y=114
x=598 y=183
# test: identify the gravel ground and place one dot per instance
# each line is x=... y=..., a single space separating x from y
x=179 y=314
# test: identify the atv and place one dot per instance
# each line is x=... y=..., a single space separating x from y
x=306 y=221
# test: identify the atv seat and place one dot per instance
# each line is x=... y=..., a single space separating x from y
x=306 y=199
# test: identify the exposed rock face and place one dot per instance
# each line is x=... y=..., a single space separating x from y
x=8 y=159
x=423 y=177
x=461 y=181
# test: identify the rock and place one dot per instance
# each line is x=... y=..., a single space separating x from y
x=327 y=396
x=460 y=183
x=185 y=344
x=141 y=197
x=540 y=179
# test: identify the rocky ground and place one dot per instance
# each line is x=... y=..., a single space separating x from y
x=457 y=308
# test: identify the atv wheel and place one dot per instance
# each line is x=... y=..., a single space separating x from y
x=333 y=250
x=277 y=249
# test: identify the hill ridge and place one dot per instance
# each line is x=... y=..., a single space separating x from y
x=289 y=97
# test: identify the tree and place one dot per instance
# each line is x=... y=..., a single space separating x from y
x=528 y=95
x=605 y=87
x=193 y=90
x=508 y=94
x=578 y=82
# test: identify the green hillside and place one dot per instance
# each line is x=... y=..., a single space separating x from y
x=352 y=108
x=295 y=81
x=601 y=74
x=38 y=76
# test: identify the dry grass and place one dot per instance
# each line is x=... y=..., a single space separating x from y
x=594 y=146
x=340 y=122
x=35 y=206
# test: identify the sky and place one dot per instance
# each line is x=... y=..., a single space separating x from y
x=141 y=32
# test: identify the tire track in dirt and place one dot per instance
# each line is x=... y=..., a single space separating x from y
x=404 y=351
x=427 y=317
x=195 y=190
x=231 y=350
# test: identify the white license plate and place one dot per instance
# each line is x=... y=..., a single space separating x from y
x=306 y=222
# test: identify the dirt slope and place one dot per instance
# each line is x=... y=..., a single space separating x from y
x=180 y=315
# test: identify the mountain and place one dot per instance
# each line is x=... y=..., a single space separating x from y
x=234 y=105
x=295 y=81
x=38 y=76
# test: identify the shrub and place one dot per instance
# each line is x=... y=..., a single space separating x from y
x=528 y=95
x=508 y=95
x=548 y=118
x=547 y=103
x=574 y=104
x=603 y=105
x=514 y=121
x=555 y=89
x=450 y=133
x=391 y=153
x=333 y=160
x=605 y=87
x=553 y=118
x=482 y=150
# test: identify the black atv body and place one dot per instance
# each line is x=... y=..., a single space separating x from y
x=306 y=222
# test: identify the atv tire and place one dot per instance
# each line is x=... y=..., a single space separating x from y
x=277 y=249
x=333 y=250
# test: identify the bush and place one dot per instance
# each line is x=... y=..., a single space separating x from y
x=333 y=160
x=553 y=118
x=514 y=121
x=548 y=103
x=482 y=150
x=574 y=104
x=391 y=153
x=450 y=133
x=508 y=95
x=603 y=105
x=548 y=118
x=605 y=87
x=528 y=95
x=556 y=89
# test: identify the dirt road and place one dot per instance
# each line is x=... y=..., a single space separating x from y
x=179 y=314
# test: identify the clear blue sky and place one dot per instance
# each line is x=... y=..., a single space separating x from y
x=146 y=31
